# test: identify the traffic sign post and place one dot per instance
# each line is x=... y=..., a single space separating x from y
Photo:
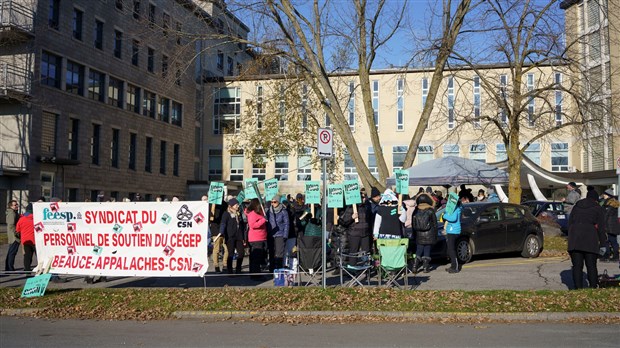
x=325 y=150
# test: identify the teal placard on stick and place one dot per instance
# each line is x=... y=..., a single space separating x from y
x=216 y=193
x=249 y=189
x=453 y=198
x=35 y=286
x=313 y=192
x=402 y=181
x=335 y=195
x=271 y=188
x=352 y=192
x=241 y=196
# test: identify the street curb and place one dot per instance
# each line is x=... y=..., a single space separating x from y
x=521 y=316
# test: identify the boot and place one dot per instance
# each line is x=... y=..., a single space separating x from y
x=416 y=265
x=238 y=266
x=427 y=264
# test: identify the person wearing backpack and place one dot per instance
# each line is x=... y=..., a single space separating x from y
x=424 y=224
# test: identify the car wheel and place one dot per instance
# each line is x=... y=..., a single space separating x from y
x=464 y=250
x=531 y=246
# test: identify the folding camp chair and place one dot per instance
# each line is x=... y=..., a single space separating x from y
x=356 y=267
x=393 y=261
x=310 y=263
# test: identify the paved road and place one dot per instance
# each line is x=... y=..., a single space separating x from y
x=28 y=332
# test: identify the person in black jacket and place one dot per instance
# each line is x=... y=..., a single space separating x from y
x=586 y=238
x=424 y=225
x=611 y=204
x=232 y=228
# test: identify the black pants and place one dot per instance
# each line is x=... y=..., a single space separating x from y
x=29 y=251
x=9 y=264
x=451 y=241
x=357 y=243
x=578 y=258
x=257 y=256
x=232 y=245
x=276 y=252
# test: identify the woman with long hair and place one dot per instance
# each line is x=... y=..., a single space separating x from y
x=257 y=237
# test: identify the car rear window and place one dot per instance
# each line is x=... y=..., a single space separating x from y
x=513 y=212
x=555 y=206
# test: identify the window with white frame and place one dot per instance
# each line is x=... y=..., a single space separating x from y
x=559 y=157
x=476 y=101
x=328 y=121
x=503 y=83
x=281 y=170
x=533 y=153
x=375 y=102
x=304 y=107
x=478 y=152
x=451 y=150
x=372 y=162
x=558 y=99
x=236 y=165
x=215 y=164
x=425 y=153
x=450 y=102
x=351 y=106
x=350 y=171
x=259 y=165
x=424 y=91
x=227 y=110
x=304 y=165
x=500 y=152
x=400 y=105
x=530 y=104
x=259 y=107
x=398 y=156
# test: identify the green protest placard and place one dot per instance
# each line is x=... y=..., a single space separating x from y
x=241 y=196
x=313 y=192
x=35 y=286
x=249 y=189
x=352 y=192
x=216 y=193
x=271 y=188
x=402 y=181
x=453 y=198
x=335 y=195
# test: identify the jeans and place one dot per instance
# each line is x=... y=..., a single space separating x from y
x=423 y=251
x=578 y=258
x=613 y=241
x=9 y=264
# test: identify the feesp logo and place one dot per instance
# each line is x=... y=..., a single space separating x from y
x=58 y=215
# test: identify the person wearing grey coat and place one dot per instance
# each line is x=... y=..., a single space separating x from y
x=11 y=220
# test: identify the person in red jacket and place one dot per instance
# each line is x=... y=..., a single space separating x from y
x=257 y=237
x=25 y=226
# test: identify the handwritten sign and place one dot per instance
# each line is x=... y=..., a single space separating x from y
x=402 y=181
x=335 y=195
x=271 y=188
x=35 y=286
x=249 y=189
x=352 y=192
x=313 y=192
x=216 y=193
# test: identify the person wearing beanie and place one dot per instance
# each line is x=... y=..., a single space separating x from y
x=573 y=195
x=232 y=229
x=611 y=204
x=586 y=238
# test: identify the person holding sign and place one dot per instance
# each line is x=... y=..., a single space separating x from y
x=388 y=223
x=453 y=230
x=257 y=237
x=278 y=229
x=232 y=229
x=424 y=224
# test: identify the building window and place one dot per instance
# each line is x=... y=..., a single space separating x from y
x=133 y=144
x=425 y=153
x=259 y=165
x=118 y=44
x=74 y=141
x=135 y=52
x=230 y=66
x=50 y=70
x=227 y=110
x=500 y=152
x=351 y=106
x=133 y=98
x=74 y=78
x=152 y=13
x=98 y=34
x=372 y=162
x=424 y=91
x=304 y=164
x=177 y=77
x=164 y=66
x=162 y=157
x=164 y=109
x=477 y=101
x=478 y=152
x=115 y=92
x=72 y=195
x=119 y=5
x=148 y=104
x=530 y=103
x=450 y=102
x=176 y=152
x=78 y=17
x=165 y=23
x=95 y=85
x=350 y=171
x=503 y=87
x=220 y=60
x=400 y=105
x=559 y=157
x=95 y=142
x=148 y=155
x=150 y=61
x=215 y=164
x=281 y=170
x=259 y=107
x=136 y=9
x=328 y=121
x=558 y=99
x=179 y=31
x=49 y=130
x=533 y=153
x=375 y=102
x=177 y=114
x=115 y=147
x=236 y=165
x=398 y=156
x=53 y=15
x=451 y=150
x=304 y=107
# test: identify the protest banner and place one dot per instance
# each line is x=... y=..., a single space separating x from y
x=453 y=198
x=35 y=286
x=402 y=181
x=313 y=194
x=352 y=195
x=250 y=192
x=216 y=196
x=123 y=239
x=271 y=188
x=335 y=196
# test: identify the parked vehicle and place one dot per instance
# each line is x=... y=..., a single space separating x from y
x=551 y=210
x=494 y=228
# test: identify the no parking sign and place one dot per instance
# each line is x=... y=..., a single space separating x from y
x=325 y=142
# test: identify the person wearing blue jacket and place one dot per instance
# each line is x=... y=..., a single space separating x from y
x=277 y=228
x=453 y=230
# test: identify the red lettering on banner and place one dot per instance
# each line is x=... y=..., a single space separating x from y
x=120 y=217
x=73 y=239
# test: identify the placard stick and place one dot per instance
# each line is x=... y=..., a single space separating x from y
x=357 y=219
x=212 y=212
x=400 y=202
x=312 y=209
x=335 y=216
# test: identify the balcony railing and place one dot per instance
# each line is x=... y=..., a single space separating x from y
x=15 y=15
x=13 y=161
x=14 y=79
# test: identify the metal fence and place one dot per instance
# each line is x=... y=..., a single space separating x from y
x=14 y=78
x=14 y=161
x=16 y=15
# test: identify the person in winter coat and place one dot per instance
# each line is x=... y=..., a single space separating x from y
x=345 y=226
x=218 y=239
x=278 y=227
x=291 y=241
x=12 y=216
x=409 y=206
x=370 y=214
x=574 y=194
x=311 y=226
x=452 y=231
x=257 y=237
x=25 y=227
x=424 y=225
x=388 y=223
x=233 y=231
x=586 y=238
x=611 y=204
